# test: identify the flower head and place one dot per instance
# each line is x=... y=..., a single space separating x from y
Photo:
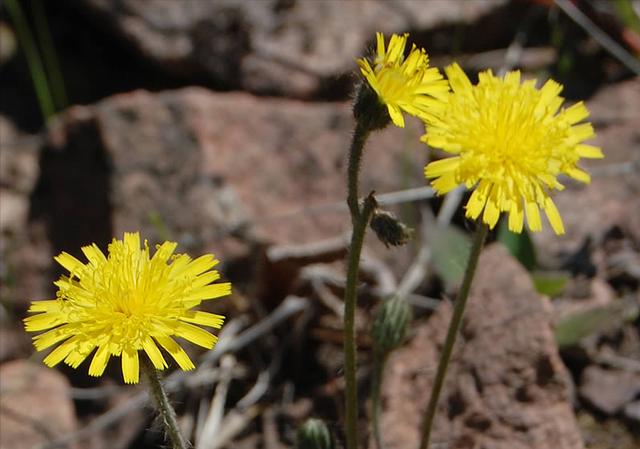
x=401 y=84
x=125 y=302
x=510 y=144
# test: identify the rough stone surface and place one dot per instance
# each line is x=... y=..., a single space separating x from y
x=18 y=173
x=632 y=412
x=295 y=48
x=35 y=407
x=507 y=387
x=24 y=254
x=609 y=390
x=208 y=166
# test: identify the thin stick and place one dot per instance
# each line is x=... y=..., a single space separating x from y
x=600 y=36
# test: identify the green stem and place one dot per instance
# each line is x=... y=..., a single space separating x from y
x=379 y=362
x=452 y=333
x=167 y=412
x=359 y=220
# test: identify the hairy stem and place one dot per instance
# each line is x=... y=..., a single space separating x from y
x=167 y=412
x=355 y=155
x=454 y=326
x=359 y=220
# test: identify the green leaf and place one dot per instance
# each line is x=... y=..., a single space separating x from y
x=574 y=328
x=550 y=283
x=450 y=249
x=519 y=245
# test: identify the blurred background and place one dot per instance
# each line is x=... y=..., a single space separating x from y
x=223 y=125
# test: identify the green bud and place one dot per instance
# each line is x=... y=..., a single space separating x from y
x=368 y=110
x=314 y=434
x=389 y=229
x=390 y=324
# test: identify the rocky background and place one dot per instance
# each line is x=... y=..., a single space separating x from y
x=223 y=125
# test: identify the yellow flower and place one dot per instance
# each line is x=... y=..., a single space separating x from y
x=127 y=302
x=409 y=84
x=511 y=144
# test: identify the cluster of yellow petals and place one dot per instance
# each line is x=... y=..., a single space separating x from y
x=125 y=302
x=511 y=141
x=403 y=84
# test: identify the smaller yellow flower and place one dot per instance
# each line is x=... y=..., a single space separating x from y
x=126 y=302
x=409 y=84
x=510 y=144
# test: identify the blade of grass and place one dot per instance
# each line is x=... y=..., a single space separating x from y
x=52 y=66
x=32 y=55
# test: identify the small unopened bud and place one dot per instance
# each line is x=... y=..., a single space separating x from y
x=389 y=229
x=368 y=110
x=390 y=324
x=313 y=434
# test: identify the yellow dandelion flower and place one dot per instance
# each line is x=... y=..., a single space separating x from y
x=408 y=85
x=511 y=142
x=125 y=302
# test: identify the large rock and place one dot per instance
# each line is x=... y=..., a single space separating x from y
x=506 y=387
x=35 y=406
x=293 y=48
x=214 y=171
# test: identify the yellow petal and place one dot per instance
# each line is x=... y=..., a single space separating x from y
x=49 y=338
x=43 y=321
x=58 y=354
x=396 y=115
x=491 y=213
x=201 y=264
x=380 y=43
x=94 y=255
x=441 y=167
x=154 y=354
x=69 y=262
x=195 y=335
x=477 y=200
x=578 y=133
x=204 y=319
x=576 y=113
x=130 y=366
x=457 y=78
x=533 y=216
x=554 y=216
x=516 y=217
x=176 y=352
x=48 y=305
x=512 y=77
x=207 y=292
x=445 y=183
x=589 y=151
x=164 y=251
x=99 y=361
x=579 y=175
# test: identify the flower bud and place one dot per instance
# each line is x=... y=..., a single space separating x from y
x=368 y=110
x=390 y=324
x=314 y=434
x=389 y=229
